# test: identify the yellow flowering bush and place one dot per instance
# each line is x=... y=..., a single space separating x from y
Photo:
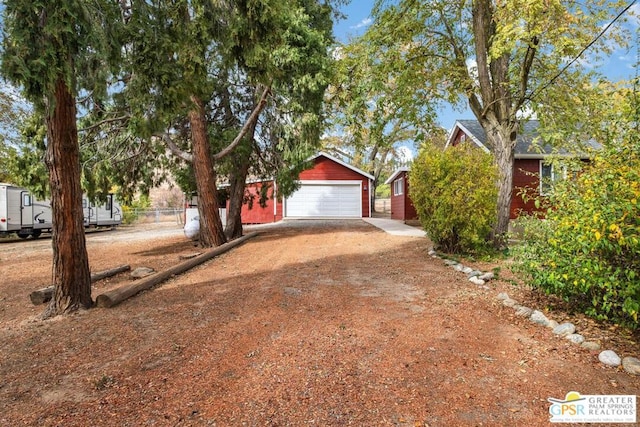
x=588 y=248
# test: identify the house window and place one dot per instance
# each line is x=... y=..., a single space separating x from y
x=26 y=200
x=398 y=187
x=549 y=174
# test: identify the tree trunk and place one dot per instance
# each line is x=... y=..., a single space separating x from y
x=71 y=274
x=376 y=176
x=502 y=137
x=211 y=231
x=237 y=180
x=238 y=176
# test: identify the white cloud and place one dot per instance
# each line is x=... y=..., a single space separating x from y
x=364 y=23
x=405 y=154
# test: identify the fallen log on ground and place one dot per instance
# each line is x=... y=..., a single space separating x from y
x=45 y=294
x=116 y=296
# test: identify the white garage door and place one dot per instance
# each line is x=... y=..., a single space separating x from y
x=340 y=199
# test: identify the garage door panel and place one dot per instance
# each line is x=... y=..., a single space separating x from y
x=325 y=200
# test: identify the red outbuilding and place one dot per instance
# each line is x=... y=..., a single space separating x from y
x=331 y=188
x=401 y=205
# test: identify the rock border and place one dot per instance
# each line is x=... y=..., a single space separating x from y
x=567 y=330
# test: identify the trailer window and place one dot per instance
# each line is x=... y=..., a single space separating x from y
x=26 y=200
x=84 y=203
x=108 y=204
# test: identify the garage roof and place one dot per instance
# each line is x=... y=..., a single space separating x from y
x=340 y=162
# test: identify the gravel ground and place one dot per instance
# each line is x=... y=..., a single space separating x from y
x=309 y=323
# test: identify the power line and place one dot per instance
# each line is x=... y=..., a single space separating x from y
x=584 y=49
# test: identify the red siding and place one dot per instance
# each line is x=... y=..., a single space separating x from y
x=401 y=206
x=526 y=179
x=325 y=169
x=409 y=210
x=258 y=214
x=459 y=137
x=397 y=202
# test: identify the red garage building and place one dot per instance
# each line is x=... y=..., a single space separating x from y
x=331 y=188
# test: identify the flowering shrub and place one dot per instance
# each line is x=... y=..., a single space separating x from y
x=588 y=248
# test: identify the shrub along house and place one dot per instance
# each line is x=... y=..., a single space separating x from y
x=531 y=163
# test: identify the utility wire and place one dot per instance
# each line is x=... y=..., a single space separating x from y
x=584 y=49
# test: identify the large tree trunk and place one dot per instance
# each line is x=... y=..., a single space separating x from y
x=211 y=231
x=502 y=138
x=71 y=274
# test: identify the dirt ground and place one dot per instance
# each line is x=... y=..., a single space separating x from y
x=309 y=323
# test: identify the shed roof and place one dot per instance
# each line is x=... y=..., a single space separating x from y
x=395 y=174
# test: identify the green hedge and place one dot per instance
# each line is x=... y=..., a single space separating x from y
x=455 y=195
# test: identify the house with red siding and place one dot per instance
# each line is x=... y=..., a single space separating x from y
x=530 y=164
x=402 y=207
x=331 y=188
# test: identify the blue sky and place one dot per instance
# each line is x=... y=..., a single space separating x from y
x=619 y=66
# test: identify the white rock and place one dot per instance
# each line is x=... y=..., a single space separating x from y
x=631 y=365
x=467 y=270
x=450 y=262
x=590 y=345
x=510 y=302
x=539 y=318
x=476 y=281
x=458 y=267
x=552 y=324
x=575 y=338
x=502 y=296
x=487 y=276
x=564 y=329
x=523 y=311
x=474 y=273
x=609 y=358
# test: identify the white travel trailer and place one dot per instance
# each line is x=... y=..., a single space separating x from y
x=108 y=214
x=22 y=214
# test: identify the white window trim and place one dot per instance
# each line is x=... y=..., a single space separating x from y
x=554 y=177
x=398 y=187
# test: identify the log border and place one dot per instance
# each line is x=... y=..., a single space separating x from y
x=116 y=296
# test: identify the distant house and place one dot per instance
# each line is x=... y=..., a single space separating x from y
x=530 y=162
x=402 y=207
x=331 y=188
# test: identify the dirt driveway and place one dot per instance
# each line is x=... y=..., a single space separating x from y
x=323 y=324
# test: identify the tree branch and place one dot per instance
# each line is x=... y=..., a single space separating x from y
x=255 y=114
x=175 y=150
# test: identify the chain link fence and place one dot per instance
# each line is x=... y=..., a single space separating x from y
x=155 y=215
